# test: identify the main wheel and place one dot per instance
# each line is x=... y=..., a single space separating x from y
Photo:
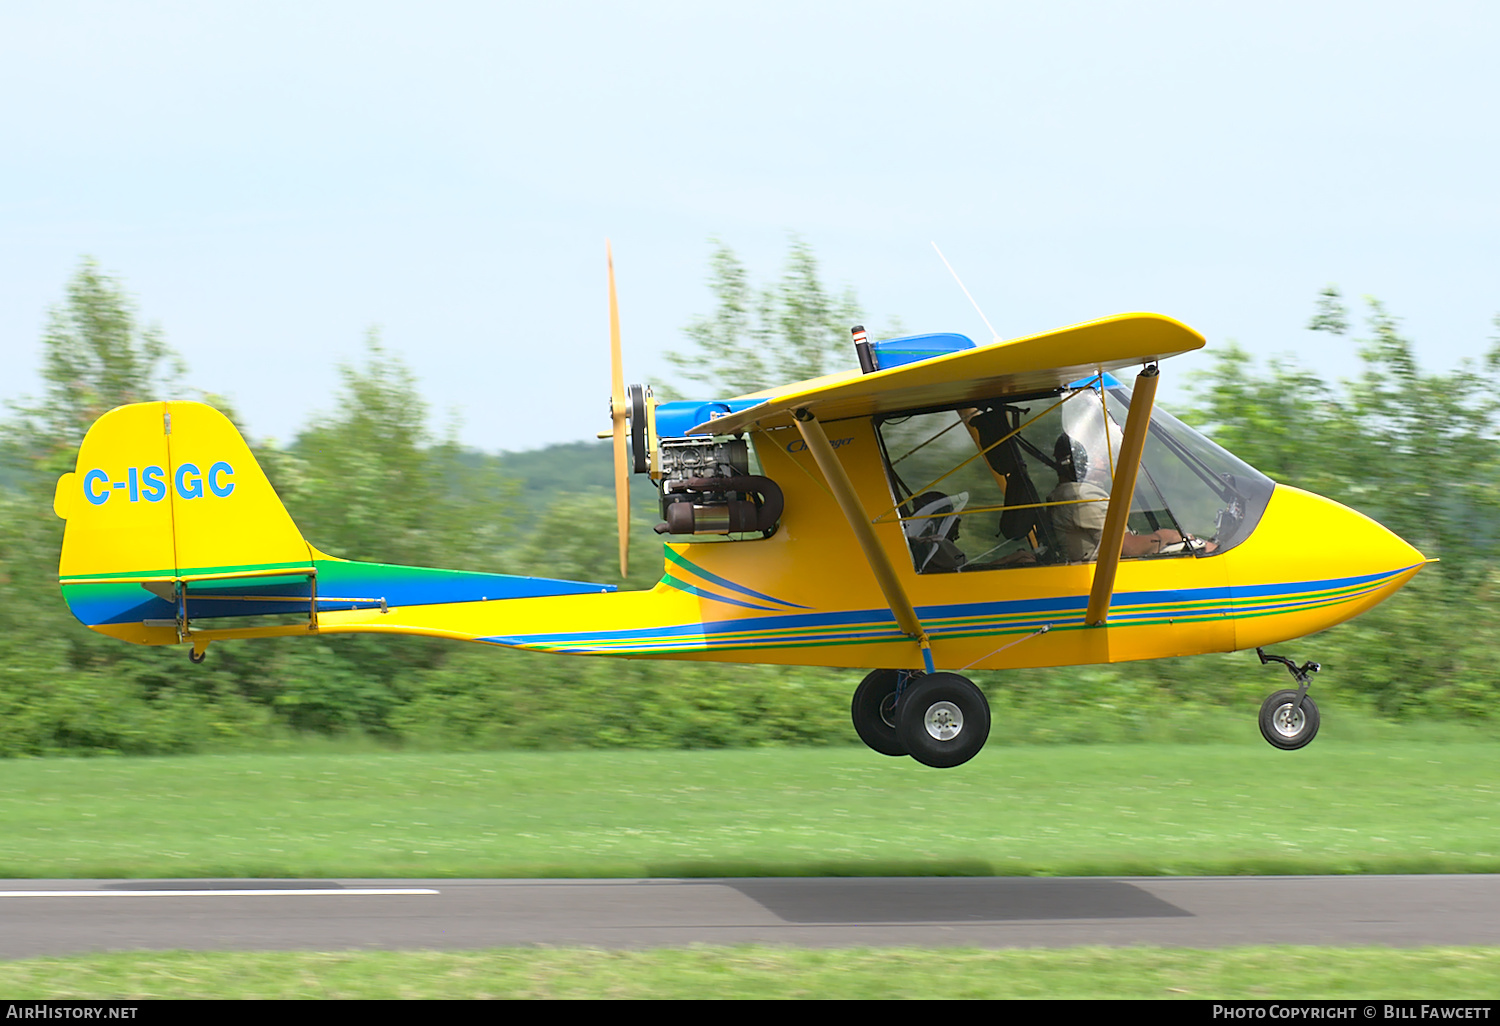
x=1284 y=725
x=943 y=720
x=874 y=712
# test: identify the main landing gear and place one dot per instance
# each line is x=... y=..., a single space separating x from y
x=939 y=719
x=1289 y=719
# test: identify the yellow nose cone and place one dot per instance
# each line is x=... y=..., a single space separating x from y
x=1309 y=564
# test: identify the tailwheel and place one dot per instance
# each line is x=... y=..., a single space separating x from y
x=874 y=711
x=1285 y=723
x=943 y=720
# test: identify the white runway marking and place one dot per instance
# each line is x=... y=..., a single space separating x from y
x=216 y=894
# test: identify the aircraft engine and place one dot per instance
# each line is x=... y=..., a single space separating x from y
x=707 y=488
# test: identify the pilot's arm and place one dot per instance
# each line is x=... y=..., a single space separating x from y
x=1136 y=545
x=1161 y=540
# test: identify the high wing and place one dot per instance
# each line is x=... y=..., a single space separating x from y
x=1031 y=364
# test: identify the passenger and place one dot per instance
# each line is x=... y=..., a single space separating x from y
x=1081 y=524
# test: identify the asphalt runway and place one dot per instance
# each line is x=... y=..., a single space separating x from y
x=60 y=917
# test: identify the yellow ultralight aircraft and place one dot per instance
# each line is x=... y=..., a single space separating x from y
x=945 y=507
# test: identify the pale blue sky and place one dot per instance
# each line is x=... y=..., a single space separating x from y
x=270 y=179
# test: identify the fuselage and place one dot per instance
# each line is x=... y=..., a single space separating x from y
x=807 y=596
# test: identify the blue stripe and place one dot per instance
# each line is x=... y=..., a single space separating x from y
x=726 y=583
x=1295 y=586
x=668 y=579
x=111 y=602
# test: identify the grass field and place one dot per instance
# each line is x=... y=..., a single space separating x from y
x=1139 y=809
x=1365 y=805
x=1282 y=973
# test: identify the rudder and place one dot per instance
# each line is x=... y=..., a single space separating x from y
x=166 y=492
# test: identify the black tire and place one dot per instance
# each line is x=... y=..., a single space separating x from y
x=1282 y=726
x=943 y=720
x=874 y=712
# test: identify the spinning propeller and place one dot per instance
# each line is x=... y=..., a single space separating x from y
x=629 y=413
x=618 y=414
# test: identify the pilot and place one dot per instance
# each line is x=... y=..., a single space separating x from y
x=1081 y=525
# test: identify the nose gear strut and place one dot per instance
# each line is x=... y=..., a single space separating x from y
x=1302 y=674
x=1289 y=719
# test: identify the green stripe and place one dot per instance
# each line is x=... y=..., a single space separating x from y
x=189 y=571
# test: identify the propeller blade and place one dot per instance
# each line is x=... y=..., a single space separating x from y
x=618 y=411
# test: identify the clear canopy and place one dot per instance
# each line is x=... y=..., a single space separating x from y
x=1025 y=481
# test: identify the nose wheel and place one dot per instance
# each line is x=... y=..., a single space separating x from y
x=1286 y=723
x=1289 y=719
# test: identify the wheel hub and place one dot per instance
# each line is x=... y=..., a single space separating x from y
x=943 y=721
x=1288 y=720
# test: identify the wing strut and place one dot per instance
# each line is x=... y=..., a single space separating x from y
x=859 y=521
x=1132 y=443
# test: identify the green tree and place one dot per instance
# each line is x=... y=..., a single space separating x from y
x=370 y=482
x=1430 y=451
x=95 y=356
x=1331 y=315
x=790 y=330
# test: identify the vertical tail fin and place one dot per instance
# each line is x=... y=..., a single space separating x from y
x=166 y=492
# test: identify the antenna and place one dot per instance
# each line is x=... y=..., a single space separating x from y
x=994 y=335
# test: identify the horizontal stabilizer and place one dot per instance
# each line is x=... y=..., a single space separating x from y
x=328 y=585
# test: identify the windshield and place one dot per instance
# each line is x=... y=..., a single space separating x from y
x=1213 y=494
